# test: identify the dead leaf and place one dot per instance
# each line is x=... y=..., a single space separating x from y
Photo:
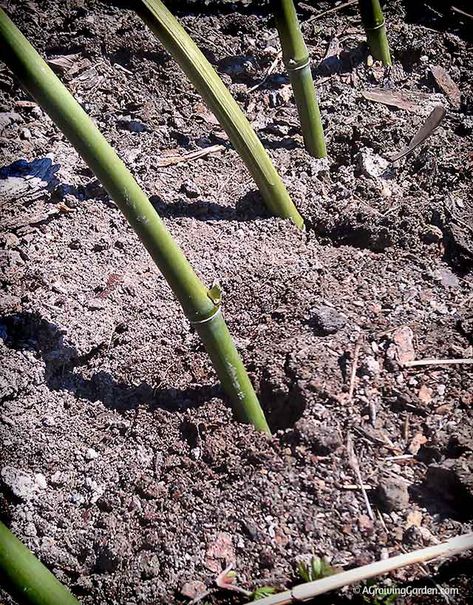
x=417 y=442
x=446 y=85
x=194 y=590
x=402 y=99
x=414 y=519
x=365 y=523
x=70 y=64
x=404 y=347
x=428 y=127
x=220 y=551
x=425 y=394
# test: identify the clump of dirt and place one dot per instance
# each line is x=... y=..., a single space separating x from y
x=121 y=466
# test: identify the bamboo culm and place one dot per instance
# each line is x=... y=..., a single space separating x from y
x=26 y=577
x=200 y=72
x=202 y=311
x=297 y=62
x=375 y=28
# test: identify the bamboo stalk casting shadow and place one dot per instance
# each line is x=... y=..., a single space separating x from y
x=26 y=577
x=375 y=28
x=200 y=72
x=201 y=306
x=297 y=61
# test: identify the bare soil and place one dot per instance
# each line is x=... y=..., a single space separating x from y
x=121 y=466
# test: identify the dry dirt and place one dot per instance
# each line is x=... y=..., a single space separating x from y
x=121 y=465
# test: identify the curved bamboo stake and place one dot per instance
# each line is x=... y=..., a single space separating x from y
x=178 y=43
x=26 y=577
x=297 y=61
x=201 y=306
x=307 y=591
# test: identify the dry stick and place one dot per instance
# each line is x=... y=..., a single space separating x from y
x=269 y=71
x=353 y=461
x=460 y=12
x=437 y=362
x=354 y=368
x=193 y=155
x=304 y=592
x=330 y=10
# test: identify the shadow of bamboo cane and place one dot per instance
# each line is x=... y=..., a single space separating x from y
x=30 y=332
x=248 y=208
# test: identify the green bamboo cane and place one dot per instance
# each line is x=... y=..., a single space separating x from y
x=216 y=95
x=375 y=28
x=297 y=61
x=200 y=305
x=22 y=574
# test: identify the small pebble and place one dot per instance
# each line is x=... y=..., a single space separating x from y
x=91 y=454
x=190 y=189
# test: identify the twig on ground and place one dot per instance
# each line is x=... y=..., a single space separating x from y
x=193 y=155
x=269 y=71
x=354 y=367
x=327 y=12
x=460 y=12
x=304 y=592
x=353 y=461
x=437 y=362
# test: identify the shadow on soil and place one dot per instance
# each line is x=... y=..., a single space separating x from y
x=30 y=332
x=247 y=208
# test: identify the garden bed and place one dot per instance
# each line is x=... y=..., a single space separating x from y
x=122 y=468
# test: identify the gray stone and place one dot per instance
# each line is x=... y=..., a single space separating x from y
x=392 y=494
x=326 y=320
x=20 y=483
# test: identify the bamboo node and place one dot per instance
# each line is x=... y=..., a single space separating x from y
x=294 y=65
x=196 y=322
x=379 y=26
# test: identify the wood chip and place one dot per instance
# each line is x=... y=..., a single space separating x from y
x=425 y=394
x=414 y=519
x=402 y=99
x=417 y=442
x=428 y=127
x=446 y=85
x=220 y=551
x=193 y=155
x=70 y=64
x=403 y=338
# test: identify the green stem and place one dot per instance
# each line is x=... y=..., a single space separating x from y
x=375 y=28
x=26 y=577
x=297 y=61
x=207 y=82
x=203 y=312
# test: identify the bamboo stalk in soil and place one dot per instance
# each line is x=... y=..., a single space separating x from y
x=199 y=305
x=307 y=591
x=26 y=577
x=200 y=72
x=297 y=61
x=375 y=28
